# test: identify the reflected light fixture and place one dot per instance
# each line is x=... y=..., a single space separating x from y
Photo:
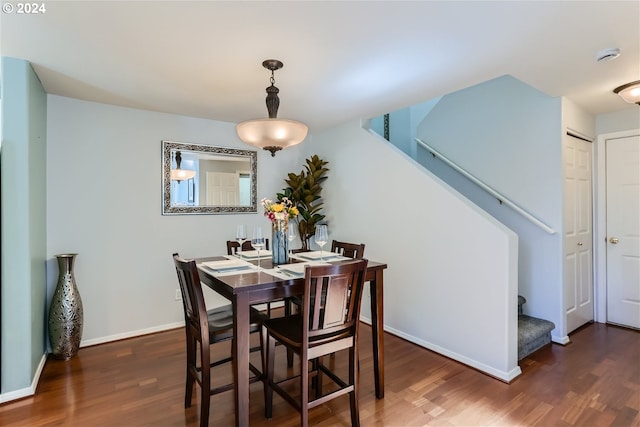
x=272 y=134
x=178 y=174
x=629 y=92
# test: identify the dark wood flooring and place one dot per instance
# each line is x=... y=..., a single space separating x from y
x=593 y=381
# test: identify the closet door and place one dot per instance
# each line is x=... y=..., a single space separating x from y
x=578 y=226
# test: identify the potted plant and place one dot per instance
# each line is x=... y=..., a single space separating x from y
x=304 y=190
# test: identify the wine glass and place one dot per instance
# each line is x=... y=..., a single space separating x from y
x=321 y=237
x=291 y=235
x=241 y=236
x=257 y=242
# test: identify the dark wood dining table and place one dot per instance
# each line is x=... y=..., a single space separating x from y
x=258 y=286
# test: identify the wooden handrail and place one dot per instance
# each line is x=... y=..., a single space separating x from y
x=501 y=198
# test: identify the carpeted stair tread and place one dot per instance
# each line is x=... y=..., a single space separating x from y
x=533 y=333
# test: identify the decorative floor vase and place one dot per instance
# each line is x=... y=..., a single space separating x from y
x=279 y=243
x=65 y=312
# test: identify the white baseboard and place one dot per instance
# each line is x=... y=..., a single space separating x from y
x=506 y=376
x=27 y=391
x=130 y=334
x=561 y=340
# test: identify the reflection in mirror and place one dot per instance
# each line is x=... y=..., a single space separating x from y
x=202 y=179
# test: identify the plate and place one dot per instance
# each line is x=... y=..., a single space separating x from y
x=254 y=254
x=226 y=265
x=294 y=269
x=316 y=255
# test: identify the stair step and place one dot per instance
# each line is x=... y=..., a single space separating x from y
x=533 y=333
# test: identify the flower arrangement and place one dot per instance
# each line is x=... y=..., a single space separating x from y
x=279 y=211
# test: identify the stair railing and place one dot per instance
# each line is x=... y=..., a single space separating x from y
x=501 y=198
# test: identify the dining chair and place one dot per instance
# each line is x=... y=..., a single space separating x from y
x=204 y=328
x=349 y=250
x=327 y=322
x=233 y=246
x=346 y=249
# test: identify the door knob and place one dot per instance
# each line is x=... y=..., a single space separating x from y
x=579 y=243
x=614 y=240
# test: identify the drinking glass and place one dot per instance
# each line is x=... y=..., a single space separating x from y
x=241 y=235
x=291 y=235
x=321 y=237
x=257 y=242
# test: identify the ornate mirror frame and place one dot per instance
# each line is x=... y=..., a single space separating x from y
x=169 y=148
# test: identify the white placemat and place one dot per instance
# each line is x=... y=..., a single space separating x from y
x=316 y=255
x=254 y=254
x=297 y=269
x=227 y=264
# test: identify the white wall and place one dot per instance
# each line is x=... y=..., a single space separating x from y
x=627 y=119
x=104 y=202
x=451 y=285
x=508 y=135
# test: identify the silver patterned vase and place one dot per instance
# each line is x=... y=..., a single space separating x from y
x=65 y=312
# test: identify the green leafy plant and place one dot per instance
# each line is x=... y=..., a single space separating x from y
x=304 y=189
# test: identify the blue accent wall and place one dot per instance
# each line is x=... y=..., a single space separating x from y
x=23 y=222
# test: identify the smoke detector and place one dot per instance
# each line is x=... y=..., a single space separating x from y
x=607 y=54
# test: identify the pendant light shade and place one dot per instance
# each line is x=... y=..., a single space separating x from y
x=178 y=174
x=629 y=92
x=272 y=134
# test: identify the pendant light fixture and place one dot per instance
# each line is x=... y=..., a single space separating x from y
x=272 y=134
x=178 y=174
x=629 y=92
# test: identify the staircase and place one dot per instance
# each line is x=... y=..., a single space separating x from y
x=533 y=333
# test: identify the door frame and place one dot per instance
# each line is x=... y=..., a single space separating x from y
x=600 y=222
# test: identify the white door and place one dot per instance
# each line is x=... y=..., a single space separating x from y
x=223 y=189
x=623 y=231
x=578 y=226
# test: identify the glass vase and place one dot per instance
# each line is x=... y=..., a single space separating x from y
x=279 y=242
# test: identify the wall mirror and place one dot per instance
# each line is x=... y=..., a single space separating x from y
x=203 y=179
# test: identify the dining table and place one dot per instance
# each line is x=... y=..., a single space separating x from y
x=250 y=278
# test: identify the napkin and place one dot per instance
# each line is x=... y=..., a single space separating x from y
x=227 y=264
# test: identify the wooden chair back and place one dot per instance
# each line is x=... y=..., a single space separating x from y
x=233 y=245
x=349 y=250
x=331 y=302
x=195 y=310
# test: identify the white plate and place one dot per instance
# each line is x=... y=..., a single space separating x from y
x=295 y=269
x=316 y=255
x=254 y=254
x=227 y=264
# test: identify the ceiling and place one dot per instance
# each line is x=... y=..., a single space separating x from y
x=342 y=60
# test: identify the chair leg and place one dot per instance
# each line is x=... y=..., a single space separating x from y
x=205 y=386
x=269 y=350
x=354 y=379
x=318 y=378
x=304 y=391
x=288 y=305
x=191 y=361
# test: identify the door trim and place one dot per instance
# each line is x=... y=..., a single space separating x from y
x=600 y=223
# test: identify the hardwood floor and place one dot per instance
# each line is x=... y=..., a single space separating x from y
x=594 y=381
